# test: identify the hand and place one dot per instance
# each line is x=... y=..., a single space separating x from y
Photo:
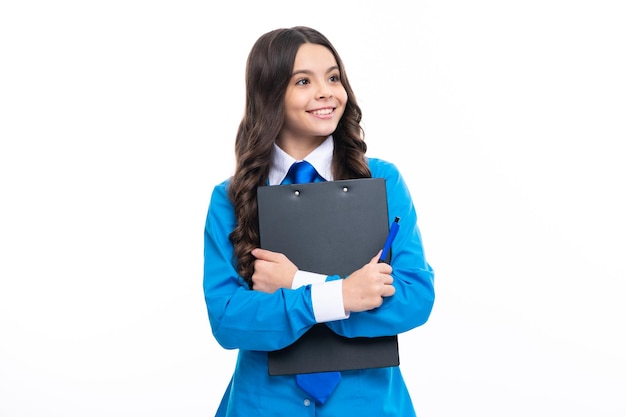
x=365 y=288
x=272 y=271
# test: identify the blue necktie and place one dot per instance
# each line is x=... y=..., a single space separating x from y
x=318 y=385
x=302 y=172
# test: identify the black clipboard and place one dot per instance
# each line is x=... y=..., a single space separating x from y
x=332 y=227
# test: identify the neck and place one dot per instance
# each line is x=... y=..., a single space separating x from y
x=299 y=149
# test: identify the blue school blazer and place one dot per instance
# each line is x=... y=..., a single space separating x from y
x=256 y=322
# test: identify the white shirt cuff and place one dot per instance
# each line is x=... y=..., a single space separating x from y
x=327 y=299
x=303 y=278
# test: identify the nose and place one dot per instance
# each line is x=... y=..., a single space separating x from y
x=324 y=91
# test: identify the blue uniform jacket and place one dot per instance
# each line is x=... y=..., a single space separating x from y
x=256 y=322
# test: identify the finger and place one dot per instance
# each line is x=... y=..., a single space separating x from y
x=385 y=268
x=388 y=291
x=260 y=263
x=375 y=259
x=266 y=255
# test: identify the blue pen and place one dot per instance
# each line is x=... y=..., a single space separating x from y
x=393 y=231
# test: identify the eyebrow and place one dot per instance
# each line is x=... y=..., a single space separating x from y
x=308 y=72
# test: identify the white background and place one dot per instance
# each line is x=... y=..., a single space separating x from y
x=507 y=120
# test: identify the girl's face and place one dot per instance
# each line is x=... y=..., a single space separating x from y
x=314 y=101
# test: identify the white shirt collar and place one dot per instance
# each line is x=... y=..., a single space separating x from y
x=321 y=159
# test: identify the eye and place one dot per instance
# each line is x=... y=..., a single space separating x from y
x=302 y=81
x=335 y=78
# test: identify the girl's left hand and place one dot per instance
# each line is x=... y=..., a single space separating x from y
x=272 y=271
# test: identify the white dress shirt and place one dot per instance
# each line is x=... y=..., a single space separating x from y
x=326 y=296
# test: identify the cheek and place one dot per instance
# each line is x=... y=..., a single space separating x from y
x=293 y=100
x=342 y=96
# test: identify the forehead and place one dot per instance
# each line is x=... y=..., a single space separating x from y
x=313 y=57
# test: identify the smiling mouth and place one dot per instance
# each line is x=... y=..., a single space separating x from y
x=322 y=112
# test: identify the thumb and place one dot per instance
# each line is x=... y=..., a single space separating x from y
x=375 y=259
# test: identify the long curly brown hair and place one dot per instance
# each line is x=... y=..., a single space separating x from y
x=268 y=71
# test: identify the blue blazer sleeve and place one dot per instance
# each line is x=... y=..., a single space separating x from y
x=241 y=318
x=412 y=302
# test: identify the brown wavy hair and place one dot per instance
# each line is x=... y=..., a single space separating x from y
x=268 y=71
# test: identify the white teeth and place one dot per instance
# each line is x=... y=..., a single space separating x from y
x=322 y=112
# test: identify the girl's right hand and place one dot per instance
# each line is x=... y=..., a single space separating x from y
x=272 y=271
